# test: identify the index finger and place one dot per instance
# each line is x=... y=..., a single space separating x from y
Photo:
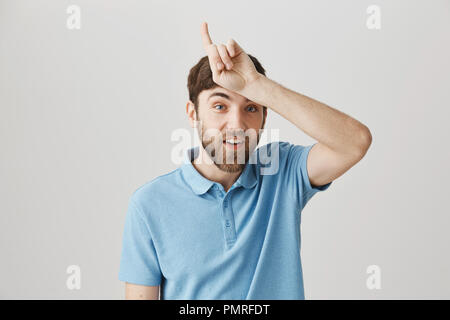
x=206 y=39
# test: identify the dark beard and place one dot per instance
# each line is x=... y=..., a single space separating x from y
x=230 y=161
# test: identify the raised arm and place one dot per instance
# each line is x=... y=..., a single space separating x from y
x=342 y=140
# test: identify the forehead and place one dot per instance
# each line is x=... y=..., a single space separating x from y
x=220 y=92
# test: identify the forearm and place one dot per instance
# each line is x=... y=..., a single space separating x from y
x=327 y=125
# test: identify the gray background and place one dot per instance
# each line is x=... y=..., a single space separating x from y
x=86 y=117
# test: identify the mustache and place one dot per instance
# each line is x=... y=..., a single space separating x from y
x=234 y=134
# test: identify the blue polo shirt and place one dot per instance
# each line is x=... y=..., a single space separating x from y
x=186 y=234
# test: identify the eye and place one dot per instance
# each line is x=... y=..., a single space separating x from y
x=252 y=108
x=219 y=105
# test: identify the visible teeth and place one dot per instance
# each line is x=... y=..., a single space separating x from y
x=233 y=141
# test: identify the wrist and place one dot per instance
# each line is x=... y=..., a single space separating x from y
x=254 y=78
x=257 y=89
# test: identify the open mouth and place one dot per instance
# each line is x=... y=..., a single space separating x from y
x=233 y=143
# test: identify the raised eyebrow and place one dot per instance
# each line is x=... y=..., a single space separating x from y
x=224 y=95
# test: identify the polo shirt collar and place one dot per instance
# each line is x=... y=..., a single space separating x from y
x=199 y=184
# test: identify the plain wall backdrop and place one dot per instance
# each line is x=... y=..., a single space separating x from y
x=86 y=117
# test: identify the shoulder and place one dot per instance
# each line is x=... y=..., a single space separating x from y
x=281 y=147
x=150 y=193
x=277 y=153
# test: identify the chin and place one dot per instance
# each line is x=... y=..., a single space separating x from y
x=231 y=168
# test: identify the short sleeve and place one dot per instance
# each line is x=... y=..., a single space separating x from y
x=139 y=262
x=297 y=173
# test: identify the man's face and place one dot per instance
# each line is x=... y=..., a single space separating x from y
x=229 y=127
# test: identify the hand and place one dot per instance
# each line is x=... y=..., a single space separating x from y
x=231 y=67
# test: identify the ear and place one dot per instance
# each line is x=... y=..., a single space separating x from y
x=190 y=111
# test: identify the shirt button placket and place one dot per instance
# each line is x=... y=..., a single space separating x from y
x=229 y=228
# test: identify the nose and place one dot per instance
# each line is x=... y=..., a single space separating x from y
x=235 y=120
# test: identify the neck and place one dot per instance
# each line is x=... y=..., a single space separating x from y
x=206 y=167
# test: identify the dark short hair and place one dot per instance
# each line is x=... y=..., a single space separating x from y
x=200 y=78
